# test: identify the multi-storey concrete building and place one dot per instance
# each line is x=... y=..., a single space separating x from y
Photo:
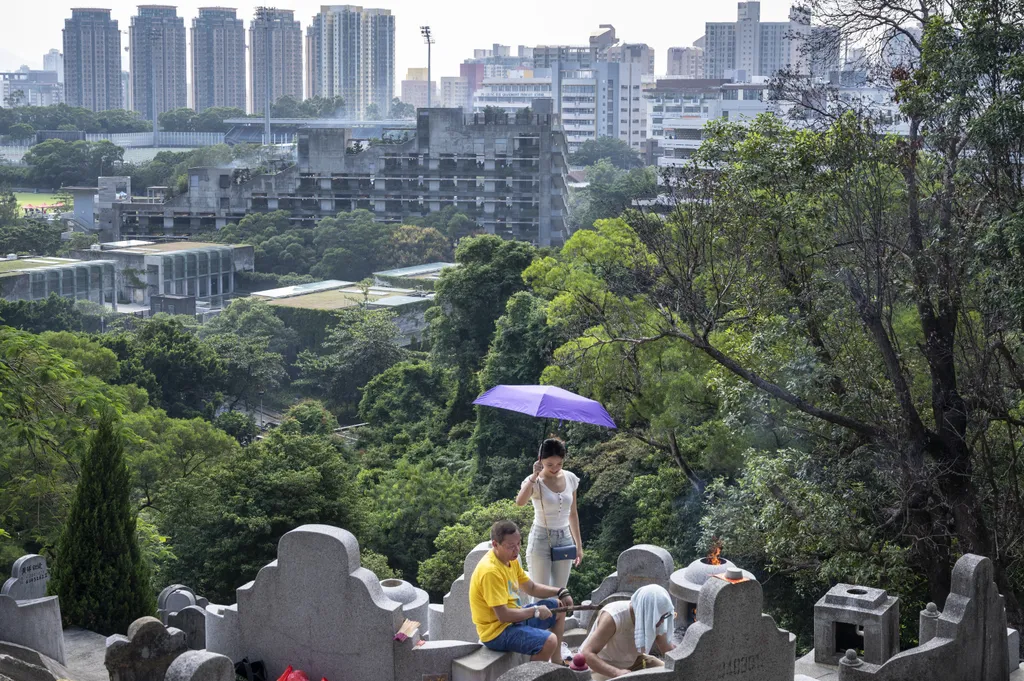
x=507 y=173
x=204 y=271
x=602 y=100
x=351 y=53
x=279 y=28
x=686 y=62
x=92 y=60
x=35 y=278
x=26 y=87
x=415 y=89
x=54 y=61
x=157 y=46
x=218 y=59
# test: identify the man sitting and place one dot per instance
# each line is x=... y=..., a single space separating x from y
x=502 y=622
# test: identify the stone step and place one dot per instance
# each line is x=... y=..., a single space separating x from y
x=485 y=665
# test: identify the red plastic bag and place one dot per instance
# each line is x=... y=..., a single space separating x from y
x=292 y=675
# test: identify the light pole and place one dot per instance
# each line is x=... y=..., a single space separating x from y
x=263 y=13
x=261 y=408
x=427 y=38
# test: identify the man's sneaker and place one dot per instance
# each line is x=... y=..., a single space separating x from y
x=566 y=653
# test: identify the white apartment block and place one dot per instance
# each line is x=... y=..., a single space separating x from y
x=749 y=47
x=605 y=100
x=351 y=52
x=685 y=62
x=455 y=92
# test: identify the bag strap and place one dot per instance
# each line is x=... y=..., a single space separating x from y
x=543 y=514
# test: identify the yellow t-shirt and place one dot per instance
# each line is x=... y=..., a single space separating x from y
x=493 y=583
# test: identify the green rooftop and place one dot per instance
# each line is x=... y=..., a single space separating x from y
x=9 y=267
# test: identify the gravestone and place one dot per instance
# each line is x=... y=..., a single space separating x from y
x=456 y=619
x=415 y=602
x=543 y=671
x=145 y=653
x=731 y=640
x=175 y=597
x=317 y=609
x=196 y=665
x=191 y=621
x=34 y=624
x=29 y=576
x=966 y=641
x=637 y=566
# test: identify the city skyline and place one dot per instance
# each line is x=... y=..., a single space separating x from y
x=456 y=25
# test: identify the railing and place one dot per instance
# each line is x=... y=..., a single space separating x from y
x=130 y=140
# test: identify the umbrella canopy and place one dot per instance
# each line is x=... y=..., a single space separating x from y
x=546 y=401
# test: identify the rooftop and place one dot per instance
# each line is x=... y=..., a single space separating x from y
x=349 y=296
x=31 y=263
x=426 y=271
x=302 y=289
x=167 y=247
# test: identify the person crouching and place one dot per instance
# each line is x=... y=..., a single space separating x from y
x=626 y=632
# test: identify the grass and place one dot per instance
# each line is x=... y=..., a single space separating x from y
x=30 y=199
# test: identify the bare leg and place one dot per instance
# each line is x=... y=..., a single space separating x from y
x=558 y=630
x=550 y=648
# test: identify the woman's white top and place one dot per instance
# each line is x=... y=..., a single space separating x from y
x=555 y=512
x=620 y=651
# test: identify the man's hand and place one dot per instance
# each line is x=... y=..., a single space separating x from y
x=545 y=613
x=566 y=600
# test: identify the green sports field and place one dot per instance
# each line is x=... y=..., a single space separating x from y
x=30 y=199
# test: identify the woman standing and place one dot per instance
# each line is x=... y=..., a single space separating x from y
x=555 y=521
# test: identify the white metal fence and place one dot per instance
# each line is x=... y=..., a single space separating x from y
x=131 y=140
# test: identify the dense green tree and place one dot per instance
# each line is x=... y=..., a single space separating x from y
x=408 y=505
x=404 y=404
x=98 y=571
x=251 y=367
x=469 y=300
x=610 y=149
x=251 y=318
x=184 y=375
x=240 y=426
x=505 y=442
x=30 y=237
x=373 y=113
x=21 y=131
x=52 y=314
x=412 y=245
x=400 y=109
x=361 y=346
x=225 y=524
x=55 y=163
x=64 y=117
x=177 y=120
x=309 y=417
x=450 y=222
x=352 y=246
x=609 y=192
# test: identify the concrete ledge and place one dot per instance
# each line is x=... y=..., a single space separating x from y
x=485 y=665
x=574 y=637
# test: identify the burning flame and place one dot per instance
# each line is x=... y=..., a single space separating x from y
x=715 y=552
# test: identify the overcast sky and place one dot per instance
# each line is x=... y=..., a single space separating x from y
x=29 y=28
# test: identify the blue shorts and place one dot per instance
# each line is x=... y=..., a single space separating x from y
x=526 y=637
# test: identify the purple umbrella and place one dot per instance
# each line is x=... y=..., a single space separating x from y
x=546 y=401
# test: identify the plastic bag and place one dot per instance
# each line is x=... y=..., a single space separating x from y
x=291 y=674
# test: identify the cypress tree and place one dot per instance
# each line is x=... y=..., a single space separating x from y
x=99 y=573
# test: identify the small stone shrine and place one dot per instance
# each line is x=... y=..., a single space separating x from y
x=29 y=576
x=637 y=566
x=967 y=641
x=856 y=617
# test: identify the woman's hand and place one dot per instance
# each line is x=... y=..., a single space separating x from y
x=579 y=556
x=538 y=468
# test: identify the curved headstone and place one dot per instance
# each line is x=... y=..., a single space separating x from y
x=29 y=576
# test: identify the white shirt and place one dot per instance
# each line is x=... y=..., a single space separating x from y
x=553 y=514
x=620 y=651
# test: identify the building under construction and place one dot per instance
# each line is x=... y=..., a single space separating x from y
x=506 y=172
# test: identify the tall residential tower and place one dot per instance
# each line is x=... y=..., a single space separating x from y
x=92 y=60
x=218 y=59
x=351 y=52
x=157 y=40
x=285 y=38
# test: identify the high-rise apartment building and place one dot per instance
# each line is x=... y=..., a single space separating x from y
x=92 y=60
x=686 y=62
x=455 y=93
x=415 y=89
x=351 y=53
x=218 y=59
x=26 y=87
x=641 y=54
x=279 y=28
x=54 y=61
x=750 y=47
x=157 y=40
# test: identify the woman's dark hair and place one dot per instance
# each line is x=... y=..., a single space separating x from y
x=551 y=447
